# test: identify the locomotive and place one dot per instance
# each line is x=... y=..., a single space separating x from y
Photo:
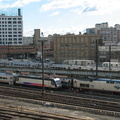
x=91 y=85
x=13 y=79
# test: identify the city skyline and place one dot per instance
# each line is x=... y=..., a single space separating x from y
x=61 y=17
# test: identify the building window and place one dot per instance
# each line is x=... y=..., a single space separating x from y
x=14 y=28
x=19 y=29
x=9 y=18
x=14 y=25
x=15 y=39
x=9 y=32
x=19 y=18
x=9 y=25
x=19 y=25
x=10 y=39
x=20 y=42
x=9 y=28
x=19 y=22
x=19 y=38
x=9 y=22
x=14 y=22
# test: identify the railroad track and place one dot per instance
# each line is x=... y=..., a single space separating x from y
x=18 y=113
x=66 y=101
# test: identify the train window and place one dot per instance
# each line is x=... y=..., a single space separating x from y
x=91 y=80
x=87 y=85
x=110 y=82
x=82 y=85
x=107 y=81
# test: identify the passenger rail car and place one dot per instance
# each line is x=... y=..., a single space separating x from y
x=112 y=64
x=17 y=64
x=79 y=62
x=98 y=85
x=8 y=78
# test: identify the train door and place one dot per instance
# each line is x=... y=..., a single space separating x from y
x=11 y=81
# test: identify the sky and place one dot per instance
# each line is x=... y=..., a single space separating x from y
x=64 y=16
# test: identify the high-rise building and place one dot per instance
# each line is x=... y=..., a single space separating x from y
x=11 y=28
x=110 y=35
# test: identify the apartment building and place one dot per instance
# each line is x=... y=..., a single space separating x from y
x=11 y=28
x=71 y=47
x=17 y=52
x=110 y=35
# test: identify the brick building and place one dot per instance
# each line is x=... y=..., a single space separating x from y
x=17 y=51
x=70 y=47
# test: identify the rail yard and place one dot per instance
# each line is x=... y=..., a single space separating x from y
x=26 y=88
x=103 y=106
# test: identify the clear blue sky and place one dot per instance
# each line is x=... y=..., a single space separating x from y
x=63 y=16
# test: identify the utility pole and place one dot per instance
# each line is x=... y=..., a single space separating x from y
x=8 y=51
x=43 y=88
x=42 y=45
x=96 y=58
x=110 y=59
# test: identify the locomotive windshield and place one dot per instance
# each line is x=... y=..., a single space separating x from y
x=58 y=82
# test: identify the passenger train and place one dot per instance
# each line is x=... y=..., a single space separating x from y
x=54 y=83
x=102 y=85
x=114 y=66
x=91 y=85
x=18 y=64
x=111 y=64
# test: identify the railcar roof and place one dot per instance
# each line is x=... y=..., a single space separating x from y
x=5 y=74
x=105 y=79
x=19 y=62
x=99 y=79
